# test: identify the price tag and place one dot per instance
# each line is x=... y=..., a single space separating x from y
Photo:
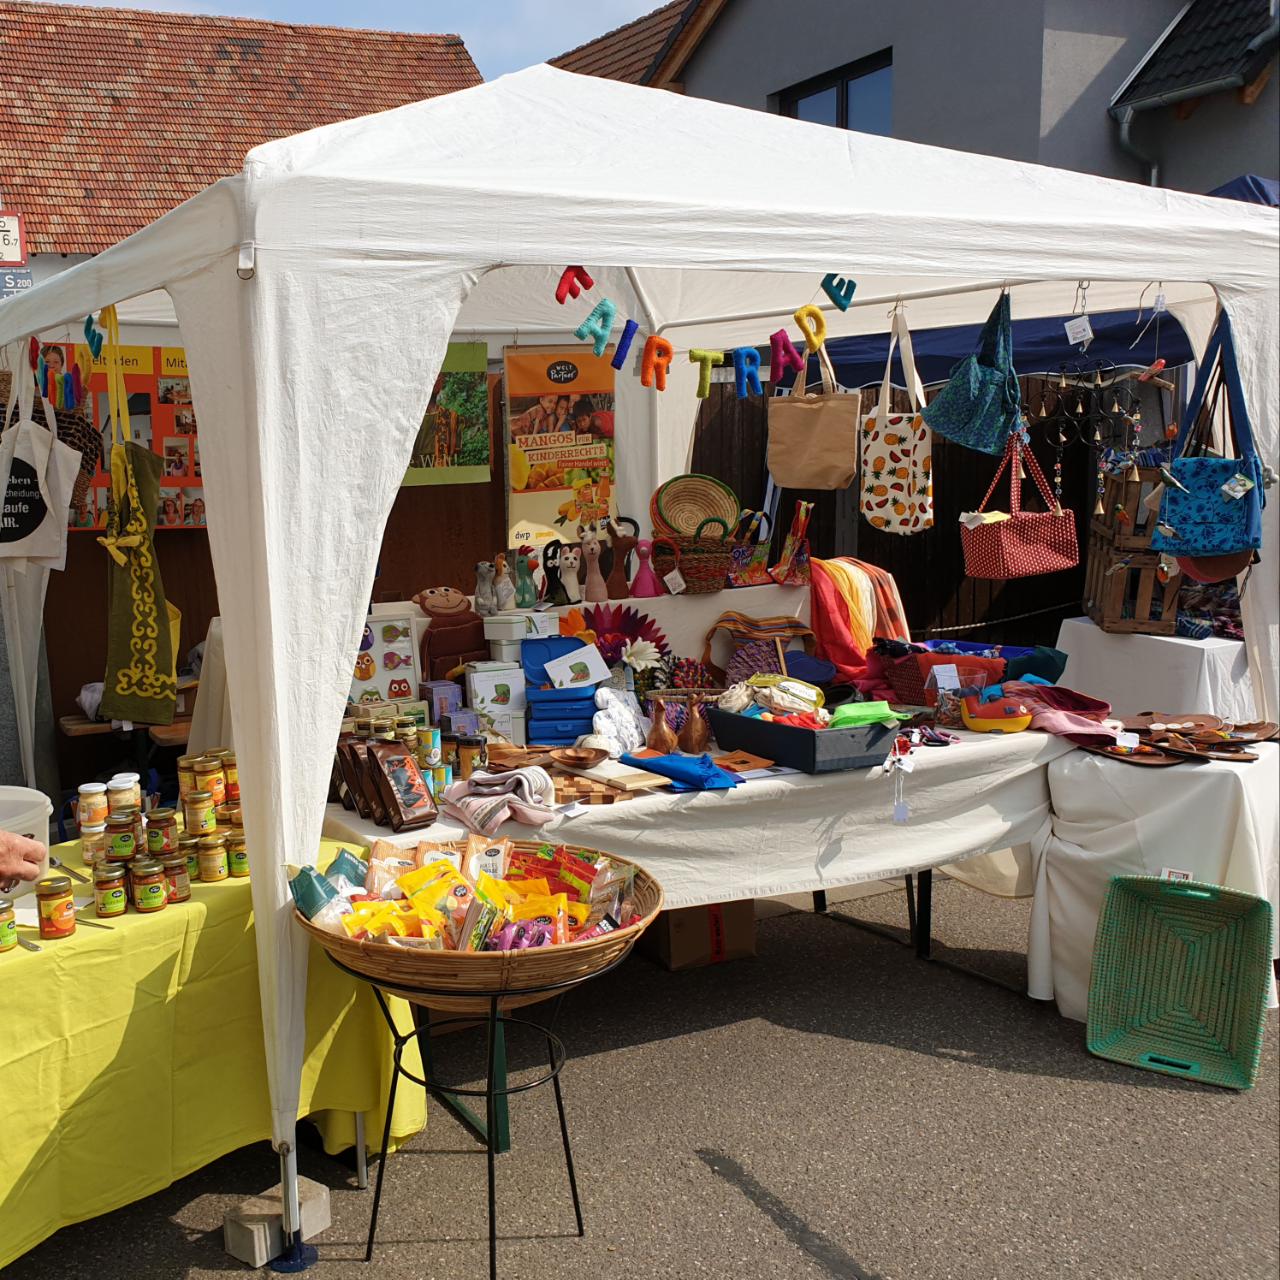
x=572 y=810
x=1126 y=739
x=945 y=676
x=1079 y=330
x=675 y=582
x=1159 y=303
x=906 y=763
x=900 y=811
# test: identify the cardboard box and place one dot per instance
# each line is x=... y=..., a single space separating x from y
x=505 y=650
x=516 y=624
x=495 y=691
x=690 y=937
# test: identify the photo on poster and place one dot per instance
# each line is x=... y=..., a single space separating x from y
x=83 y=514
x=560 y=429
x=195 y=457
x=193 y=508
x=184 y=420
x=173 y=390
x=452 y=445
x=176 y=452
x=169 y=512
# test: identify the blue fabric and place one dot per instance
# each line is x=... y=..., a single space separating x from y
x=980 y=404
x=808 y=668
x=690 y=773
x=971 y=647
x=1041 y=345
x=1251 y=189
x=1204 y=520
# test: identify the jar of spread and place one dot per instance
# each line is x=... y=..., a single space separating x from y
x=384 y=731
x=222 y=815
x=139 y=827
x=471 y=755
x=174 y=866
x=8 y=926
x=56 y=907
x=186 y=775
x=150 y=888
x=119 y=795
x=231 y=776
x=449 y=750
x=110 y=890
x=364 y=728
x=210 y=778
x=188 y=846
x=93 y=844
x=91 y=806
x=237 y=858
x=162 y=831
x=197 y=808
x=134 y=783
x=212 y=855
x=120 y=835
x=237 y=820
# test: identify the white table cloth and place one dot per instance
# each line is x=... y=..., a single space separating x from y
x=1219 y=821
x=1157 y=673
x=797 y=832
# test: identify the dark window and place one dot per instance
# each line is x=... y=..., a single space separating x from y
x=858 y=96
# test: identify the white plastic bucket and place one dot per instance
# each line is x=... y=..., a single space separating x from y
x=26 y=812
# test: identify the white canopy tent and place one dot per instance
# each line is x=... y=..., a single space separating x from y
x=316 y=292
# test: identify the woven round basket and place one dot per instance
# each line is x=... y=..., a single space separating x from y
x=702 y=558
x=684 y=502
x=464 y=972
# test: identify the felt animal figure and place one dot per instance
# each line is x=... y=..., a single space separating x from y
x=746 y=371
x=623 y=545
x=704 y=360
x=366 y=639
x=693 y=733
x=526 y=592
x=365 y=667
x=646 y=582
x=570 y=559
x=372 y=695
x=594 y=589
x=486 y=597
x=660 y=739
x=441 y=602
x=454 y=634
x=504 y=589
x=597 y=325
x=653 y=363
x=555 y=591
x=624 y=344
x=570 y=280
x=399 y=689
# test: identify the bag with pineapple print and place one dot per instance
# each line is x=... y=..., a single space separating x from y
x=897 y=464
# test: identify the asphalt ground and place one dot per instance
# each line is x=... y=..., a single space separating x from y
x=832 y=1108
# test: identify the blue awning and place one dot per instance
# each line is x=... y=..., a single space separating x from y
x=1250 y=188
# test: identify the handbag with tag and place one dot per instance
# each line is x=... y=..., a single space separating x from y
x=981 y=403
x=749 y=558
x=1027 y=542
x=897 y=451
x=1218 y=509
x=813 y=439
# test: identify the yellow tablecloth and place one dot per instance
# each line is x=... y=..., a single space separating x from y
x=130 y=1058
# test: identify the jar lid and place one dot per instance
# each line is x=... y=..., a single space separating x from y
x=54 y=884
x=199 y=797
x=187 y=839
x=236 y=842
x=162 y=815
x=5 y=904
x=187 y=761
x=205 y=763
x=119 y=784
x=92 y=787
x=447 y=735
x=173 y=860
x=108 y=871
x=93 y=828
x=237 y=816
x=144 y=866
x=222 y=753
x=126 y=777
x=120 y=815
x=470 y=740
x=211 y=842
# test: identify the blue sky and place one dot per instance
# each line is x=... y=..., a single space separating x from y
x=502 y=35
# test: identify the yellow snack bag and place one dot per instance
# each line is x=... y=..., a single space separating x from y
x=538 y=888
x=450 y=895
x=409 y=917
x=497 y=893
x=546 y=910
x=417 y=879
x=577 y=913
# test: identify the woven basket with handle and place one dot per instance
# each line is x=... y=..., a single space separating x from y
x=510 y=971
x=702 y=558
x=683 y=502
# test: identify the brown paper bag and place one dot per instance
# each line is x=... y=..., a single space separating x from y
x=813 y=439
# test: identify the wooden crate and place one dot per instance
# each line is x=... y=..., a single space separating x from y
x=1130 y=600
x=1129 y=494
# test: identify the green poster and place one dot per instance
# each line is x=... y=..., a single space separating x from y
x=453 y=441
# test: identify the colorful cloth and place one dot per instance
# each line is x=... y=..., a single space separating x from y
x=484 y=801
x=1071 y=715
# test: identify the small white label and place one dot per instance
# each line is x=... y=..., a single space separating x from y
x=572 y=810
x=1079 y=329
x=900 y=811
x=1172 y=873
x=1159 y=303
x=1126 y=739
x=906 y=763
x=675 y=582
x=945 y=676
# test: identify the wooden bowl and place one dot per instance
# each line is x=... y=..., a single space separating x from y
x=579 y=757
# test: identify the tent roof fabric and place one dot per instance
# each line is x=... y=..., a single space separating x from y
x=1208 y=44
x=1250 y=188
x=114 y=116
x=630 y=52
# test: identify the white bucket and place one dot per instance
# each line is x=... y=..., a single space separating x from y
x=26 y=812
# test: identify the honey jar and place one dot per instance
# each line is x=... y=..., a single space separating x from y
x=198 y=809
x=162 y=831
x=210 y=778
x=56 y=907
x=8 y=926
x=212 y=855
x=150 y=888
x=174 y=866
x=91 y=805
x=120 y=834
x=186 y=775
x=110 y=890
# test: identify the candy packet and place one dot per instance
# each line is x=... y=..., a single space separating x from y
x=480 y=920
x=487 y=855
x=606 y=924
x=418 y=878
x=427 y=852
x=552 y=911
x=528 y=888
x=451 y=896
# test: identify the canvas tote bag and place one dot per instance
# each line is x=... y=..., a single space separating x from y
x=813 y=439
x=897 y=451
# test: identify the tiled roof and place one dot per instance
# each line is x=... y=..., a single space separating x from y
x=111 y=117
x=629 y=52
x=1209 y=43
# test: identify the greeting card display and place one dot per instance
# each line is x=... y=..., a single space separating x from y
x=386 y=667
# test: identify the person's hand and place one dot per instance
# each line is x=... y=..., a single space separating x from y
x=20 y=859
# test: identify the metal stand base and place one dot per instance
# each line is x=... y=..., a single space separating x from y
x=297 y=1255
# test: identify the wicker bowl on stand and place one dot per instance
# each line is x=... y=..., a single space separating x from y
x=558 y=967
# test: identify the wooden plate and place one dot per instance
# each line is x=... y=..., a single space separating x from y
x=1199 y=723
x=1148 y=760
x=579 y=757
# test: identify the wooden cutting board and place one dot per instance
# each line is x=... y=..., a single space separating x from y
x=570 y=788
x=621 y=776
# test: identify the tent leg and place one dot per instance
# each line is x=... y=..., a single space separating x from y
x=297 y=1255
x=362 y=1156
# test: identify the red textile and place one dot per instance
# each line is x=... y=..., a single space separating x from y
x=1064 y=712
x=830 y=624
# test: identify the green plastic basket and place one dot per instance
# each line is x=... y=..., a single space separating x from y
x=1181 y=974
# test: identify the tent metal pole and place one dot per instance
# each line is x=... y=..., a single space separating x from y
x=297 y=1256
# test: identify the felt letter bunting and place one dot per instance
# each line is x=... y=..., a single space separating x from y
x=746 y=371
x=705 y=359
x=653 y=364
x=597 y=325
x=783 y=355
x=813 y=324
x=568 y=286
x=624 y=344
x=839 y=291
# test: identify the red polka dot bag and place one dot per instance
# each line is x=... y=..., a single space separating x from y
x=1026 y=542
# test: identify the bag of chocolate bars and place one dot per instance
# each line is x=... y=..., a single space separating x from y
x=401 y=785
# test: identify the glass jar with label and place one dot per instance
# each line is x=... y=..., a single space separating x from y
x=231 y=775
x=212 y=854
x=210 y=778
x=471 y=755
x=162 y=831
x=186 y=775
x=110 y=890
x=237 y=858
x=134 y=782
x=93 y=844
x=174 y=866
x=55 y=907
x=237 y=820
x=120 y=836
x=91 y=804
x=384 y=731
x=139 y=828
x=449 y=750
x=119 y=795
x=364 y=728
x=198 y=810
x=8 y=926
x=150 y=888
x=188 y=846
